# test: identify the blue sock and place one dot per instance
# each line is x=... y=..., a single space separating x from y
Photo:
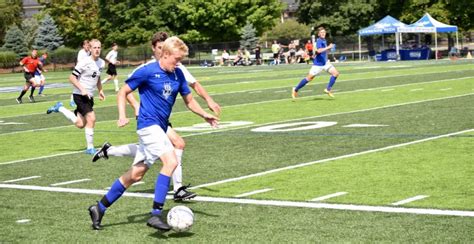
x=332 y=80
x=41 y=89
x=302 y=83
x=161 y=188
x=112 y=195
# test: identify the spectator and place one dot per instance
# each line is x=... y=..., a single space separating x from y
x=258 y=56
x=238 y=57
x=224 y=58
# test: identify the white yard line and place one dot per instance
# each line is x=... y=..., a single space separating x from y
x=417 y=89
x=22 y=179
x=329 y=159
x=322 y=198
x=254 y=192
x=349 y=207
x=263 y=124
x=446 y=89
x=386 y=90
x=69 y=182
x=411 y=199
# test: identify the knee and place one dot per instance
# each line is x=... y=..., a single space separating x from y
x=134 y=178
x=179 y=143
x=336 y=74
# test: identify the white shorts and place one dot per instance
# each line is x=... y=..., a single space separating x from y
x=315 y=70
x=153 y=143
x=39 y=78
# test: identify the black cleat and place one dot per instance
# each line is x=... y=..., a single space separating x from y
x=156 y=222
x=183 y=194
x=102 y=152
x=32 y=99
x=19 y=101
x=96 y=216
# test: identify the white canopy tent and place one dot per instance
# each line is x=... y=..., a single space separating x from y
x=427 y=24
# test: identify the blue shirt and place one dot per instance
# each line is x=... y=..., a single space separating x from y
x=158 y=90
x=321 y=58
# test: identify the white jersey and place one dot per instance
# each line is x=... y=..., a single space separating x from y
x=87 y=72
x=82 y=54
x=188 y=76
x=112 y=56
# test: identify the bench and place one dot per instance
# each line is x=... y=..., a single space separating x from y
x=266 y=57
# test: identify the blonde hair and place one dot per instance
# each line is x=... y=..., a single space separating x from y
x=173 y=45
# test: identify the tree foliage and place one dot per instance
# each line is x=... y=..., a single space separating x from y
x=48 y=37
x=30 y=29
x=15 y=41
x=248 y=38
x=10 y=14
x=288 y=30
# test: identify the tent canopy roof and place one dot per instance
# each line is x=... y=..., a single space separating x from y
x=384 y=26
x=428 y=24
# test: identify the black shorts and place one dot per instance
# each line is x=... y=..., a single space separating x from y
x=84 y=104
x=275 y=55
x=170 y=125
x=29 y=76
x=112 y=70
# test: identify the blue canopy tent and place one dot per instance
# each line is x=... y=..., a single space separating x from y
x=387 y=25
x=427 y=24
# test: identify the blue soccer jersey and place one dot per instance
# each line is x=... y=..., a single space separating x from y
x=321 y=58
x=158 y=90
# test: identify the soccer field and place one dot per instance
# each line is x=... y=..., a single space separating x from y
x=389 y=159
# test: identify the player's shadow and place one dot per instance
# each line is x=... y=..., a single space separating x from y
x=132 y=219
x=172 y=234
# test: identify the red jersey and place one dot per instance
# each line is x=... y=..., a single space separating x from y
x=30 y=63
x=309 y=46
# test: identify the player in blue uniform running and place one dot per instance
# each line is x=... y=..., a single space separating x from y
x=320 y=63
x=159 y=82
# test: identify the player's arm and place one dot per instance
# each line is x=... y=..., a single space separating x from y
x=323 y=49
x=199 y=89
x=22 y=64
x=100 y=89
x=134 y=103
x=75 y=82
x=121 y=102
x=194 y=106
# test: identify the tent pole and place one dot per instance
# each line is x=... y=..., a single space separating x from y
x=436 y=45
x=360 y=51
x=397 y=44
x=457 y=40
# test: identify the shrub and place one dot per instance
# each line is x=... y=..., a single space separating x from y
x=63 y=55
x=8 y=59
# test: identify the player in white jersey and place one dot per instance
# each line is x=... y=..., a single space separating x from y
x=111 y=57
x=180 y=192
x=84 y=53
x=85 y=78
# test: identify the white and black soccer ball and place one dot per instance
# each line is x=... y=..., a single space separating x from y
x=180 y=218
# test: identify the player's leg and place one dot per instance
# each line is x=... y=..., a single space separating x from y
x=334 y=74
x=128 y=150
x=312 y=73
x=42 y=81
x=180 y=191
x=23 y=92
x=120 y=185
x=89 y=132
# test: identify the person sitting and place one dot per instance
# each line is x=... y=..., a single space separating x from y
x=238 y=58
x=453 y=53
x=224 y=58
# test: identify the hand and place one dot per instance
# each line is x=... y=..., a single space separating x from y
x=101 y=95
x=211 y=119
x=122 y=122
x=330 y=46
x=214 y=107
x=45 y=70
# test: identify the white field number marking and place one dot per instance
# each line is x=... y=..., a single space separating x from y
x=206 y=126
x=296 y=126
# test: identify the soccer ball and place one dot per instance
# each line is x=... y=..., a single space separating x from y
x=180 y=218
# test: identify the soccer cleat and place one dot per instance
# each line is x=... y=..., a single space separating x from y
x=294 y=93
x=54 y=108
x=328 y=92
x=72 y=104
x=96 y=216
x=102 y=153
x=18 y=100
x=32 y=99
x=90 y=151
x=183 y=194
x=156 y=222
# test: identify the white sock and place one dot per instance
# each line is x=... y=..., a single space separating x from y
x=104 y=80
x=116 y=85
x=178 y=172
x=72 y=98
x=129 y=150
x=68 y=113
x=89 y=137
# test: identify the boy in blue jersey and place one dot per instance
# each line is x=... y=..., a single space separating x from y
x=320 y=63
x=158 y=83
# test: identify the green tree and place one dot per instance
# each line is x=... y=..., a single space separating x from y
x=248 y=38
x=10 y=14
x=220 y=20
x=48 y=36
x=288 y=30
x=30 y=29
x=15 y=41
x=76 y=20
